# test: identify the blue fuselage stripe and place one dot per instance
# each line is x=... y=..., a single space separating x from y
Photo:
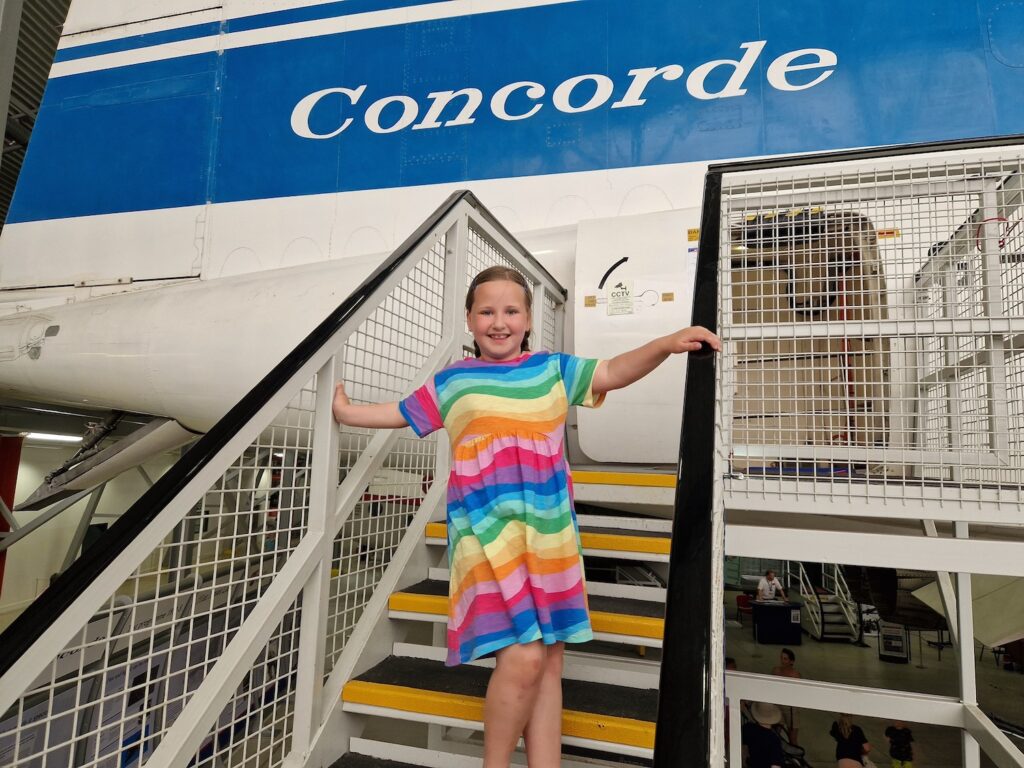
x=241 y=24
x=554 y=90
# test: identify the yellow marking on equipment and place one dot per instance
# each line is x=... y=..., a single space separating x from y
x=888 y=233
x=640 y=479
x=622 y=624
x=601 y=621
x=668 y=296
x=583 y=725
x=613 y=542
x=618 y=542
x=436 y=605
x=693 y=234
x=590 y=301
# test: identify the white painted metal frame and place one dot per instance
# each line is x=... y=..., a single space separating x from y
x=948 y=450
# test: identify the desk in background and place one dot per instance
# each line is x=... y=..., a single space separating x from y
x=776 y=622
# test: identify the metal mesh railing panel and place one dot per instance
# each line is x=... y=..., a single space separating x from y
x=254 y=729
x=549 y=320
x=483 y=253
x=381 y=359
x=110 y=695
x=872 y=318
x=367 y=541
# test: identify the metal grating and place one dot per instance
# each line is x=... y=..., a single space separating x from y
x=381 y=359
x=135 y=665
x=873 y=319
x=268 y=691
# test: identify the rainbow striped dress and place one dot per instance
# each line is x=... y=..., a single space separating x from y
x=513 y=541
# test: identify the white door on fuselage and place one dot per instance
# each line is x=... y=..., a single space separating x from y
x=634 y=282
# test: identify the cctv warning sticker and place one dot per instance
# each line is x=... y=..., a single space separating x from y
x=620 y=297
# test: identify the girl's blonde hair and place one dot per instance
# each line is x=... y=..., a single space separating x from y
x=845 y=725
x=494 y=274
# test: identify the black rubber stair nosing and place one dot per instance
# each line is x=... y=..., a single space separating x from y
x=620 y=605
x=577 y=695
x=353 y=760
x=627 y=532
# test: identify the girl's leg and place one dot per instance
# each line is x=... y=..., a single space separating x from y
x=543 y=730
x=511 y=695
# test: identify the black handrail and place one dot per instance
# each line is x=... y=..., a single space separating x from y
x=683 y=735
x=43 y=612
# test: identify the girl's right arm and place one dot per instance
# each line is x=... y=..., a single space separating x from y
x=373 y=415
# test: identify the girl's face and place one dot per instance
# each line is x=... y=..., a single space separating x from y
x=499 y=319
x=784 y=660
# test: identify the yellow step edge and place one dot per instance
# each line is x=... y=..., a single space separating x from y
x=612 y=542
x=638 y=479
x=582 y=725
x=624 y=624
x=618 y=542
x=601 y=621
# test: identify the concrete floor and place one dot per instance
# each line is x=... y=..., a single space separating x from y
x=999 y=692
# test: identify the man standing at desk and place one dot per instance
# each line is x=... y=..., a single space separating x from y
x=769 y=586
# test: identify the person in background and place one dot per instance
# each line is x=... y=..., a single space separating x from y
x=851 y=743
x=762 y=747
x=901 y=745
x=787 y=668
x=769 y=585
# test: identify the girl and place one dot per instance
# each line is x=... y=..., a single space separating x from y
x=851 y=743
x=517 y=589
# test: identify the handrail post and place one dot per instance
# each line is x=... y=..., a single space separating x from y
x=312 y=628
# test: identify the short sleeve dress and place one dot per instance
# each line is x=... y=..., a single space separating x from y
x=513 y=540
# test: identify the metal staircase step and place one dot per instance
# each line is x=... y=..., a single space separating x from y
x=650 y=546
x=615 y=619
x=352 y=760
x=595 y=715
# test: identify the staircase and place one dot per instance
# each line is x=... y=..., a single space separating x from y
x=828 y=611
x=609 y=687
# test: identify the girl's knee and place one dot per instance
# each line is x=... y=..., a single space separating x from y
x=525 y=662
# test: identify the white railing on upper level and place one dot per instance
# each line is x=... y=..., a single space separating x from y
x=220 y=621
x=796 y=577
x=834 y=582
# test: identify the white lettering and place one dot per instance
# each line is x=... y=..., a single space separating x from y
x=779 y=68
x=300 y=115
x=409 y=111
x=727 y=79
x=602 y=92
x=641 y=79
x=442 y=99
x=695 y=82
x=533 y=91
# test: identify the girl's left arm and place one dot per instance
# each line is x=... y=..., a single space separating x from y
x=622 y=370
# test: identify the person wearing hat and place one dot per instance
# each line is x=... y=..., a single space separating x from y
x=762 y=746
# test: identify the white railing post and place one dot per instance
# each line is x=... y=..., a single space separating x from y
x=456 y=280
x=316 y=592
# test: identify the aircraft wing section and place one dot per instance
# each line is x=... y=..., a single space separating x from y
x=998 y=607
